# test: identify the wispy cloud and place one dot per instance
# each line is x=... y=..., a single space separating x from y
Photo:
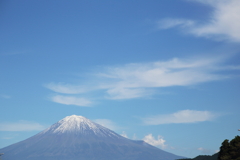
x=9 y=136
x=205 y=151
x=137 y=80
x=159 y=142
x=107 y=123
x=124 y=134
x=71 y=100
x=224 y=22
x=184 y=116
x=5 y=96
x=65 y=88
x=170 y=23
x=134 y=136
x=21 y=126
x=126 y=93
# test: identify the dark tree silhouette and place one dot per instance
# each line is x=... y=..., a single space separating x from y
x=230 y=150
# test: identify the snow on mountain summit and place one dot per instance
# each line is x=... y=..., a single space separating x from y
x=74 y=122
x=79 y=125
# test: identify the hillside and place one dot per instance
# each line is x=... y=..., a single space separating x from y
x=203 y=157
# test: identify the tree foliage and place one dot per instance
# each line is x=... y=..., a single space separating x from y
x=203 y=157
x=230 y=150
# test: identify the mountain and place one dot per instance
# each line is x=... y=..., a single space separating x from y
x=204 y=157
x=78 y=138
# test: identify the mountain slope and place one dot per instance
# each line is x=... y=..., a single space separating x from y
x=78 y=138
x=204 y=157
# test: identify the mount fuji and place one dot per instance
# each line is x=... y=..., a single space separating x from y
x=78 y=138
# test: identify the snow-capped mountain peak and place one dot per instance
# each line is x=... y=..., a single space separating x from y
x=74 y=119
x=73 y=123
x=76 y=137
x=79 y=125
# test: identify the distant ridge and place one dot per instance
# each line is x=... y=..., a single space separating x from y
x=203 y=157
x=78 y=138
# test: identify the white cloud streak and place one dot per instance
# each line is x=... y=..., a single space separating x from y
x=205 y=151
x=170 y=23
x=159 y=142
x=223 y=24
x=141 y=79
x=71 y=100
x=65 y=88
x=184 y=116
x=138 y=80
x=21 y=126
x=10 y=136
x=125 y=93
x=5 y=96
x=124 y=134
x=107 y=123
x=134 y=136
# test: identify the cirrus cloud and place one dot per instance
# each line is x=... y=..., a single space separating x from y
x=65 y=88
x=223 y=24
x=21 y=126
x=184 y=116
x=71 y=100
x=5 y=96
x=136 y=80
x=124 y=134
x=107 y=123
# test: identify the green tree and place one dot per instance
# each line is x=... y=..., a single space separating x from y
x=224 y=151
x=235 y=148
x=230 y=150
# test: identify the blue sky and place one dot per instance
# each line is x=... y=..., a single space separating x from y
x=163 y=71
